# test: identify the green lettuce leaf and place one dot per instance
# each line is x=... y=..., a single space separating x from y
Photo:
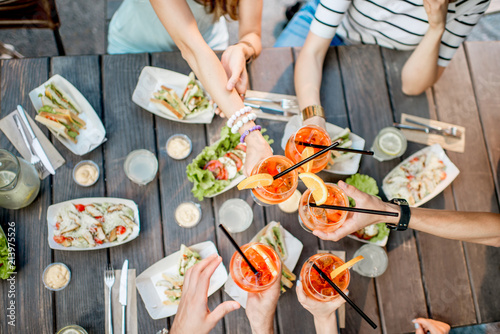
x=383 y=231
x=364 y=183
x=5 y=269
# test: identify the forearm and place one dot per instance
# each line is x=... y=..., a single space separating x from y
x=265 y=326
x=250 y=25
x=326 y=325
x=421 y=70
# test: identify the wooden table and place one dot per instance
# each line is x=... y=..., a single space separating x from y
x=427 y=276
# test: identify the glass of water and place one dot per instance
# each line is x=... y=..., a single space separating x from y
x=236 y=215
x=375 y=261
x=141 y=166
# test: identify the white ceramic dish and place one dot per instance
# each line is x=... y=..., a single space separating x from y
x=348 y=167
x=294 y=247
x=153 y=296
x=151 y=80
x=52 y=214
x=94 y=133
x=380 y=243
x=451 y=173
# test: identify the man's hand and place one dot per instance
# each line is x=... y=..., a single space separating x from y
x=356 y=221
x=261 y=308
x=193 y=315
x=436 y=12
x=424 y=326
x=234 y=62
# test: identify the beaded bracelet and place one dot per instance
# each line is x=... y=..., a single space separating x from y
x=237 y=114
x=247 y=132
x=244 y=120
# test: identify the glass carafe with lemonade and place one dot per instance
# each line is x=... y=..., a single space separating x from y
x=19 y=181
x=309 y=134
x=264 y=259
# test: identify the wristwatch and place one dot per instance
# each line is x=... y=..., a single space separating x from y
x=404 y=218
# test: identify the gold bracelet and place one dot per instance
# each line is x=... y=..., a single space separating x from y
x=254 y=55
x=311 y=111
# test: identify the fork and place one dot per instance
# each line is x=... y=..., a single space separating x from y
x=451 y=131
x=284 y=103
x=34 y=159
x=109 y=279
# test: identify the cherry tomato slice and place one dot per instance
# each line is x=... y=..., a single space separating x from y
x=217 y=169
x=80 y=207
x=236 y=159
x=59 y=239
x=98 y=241
x=120 y=229
x=241 y=147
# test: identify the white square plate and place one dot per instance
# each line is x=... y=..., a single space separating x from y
x=151 y=80
x=52 y=217
x=94 y=133
x=451 y=173
x=348 y=167
x=294 y=247
x=153 y=296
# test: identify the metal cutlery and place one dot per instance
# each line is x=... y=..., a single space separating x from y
x=284 y=103
x=123 y=293
x=109 y=279
x=35 y=143
x=34 y=159
x=452 y=131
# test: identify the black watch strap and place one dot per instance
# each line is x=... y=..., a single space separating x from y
x=404 y=217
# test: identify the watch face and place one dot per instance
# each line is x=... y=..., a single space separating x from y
x=400 y=201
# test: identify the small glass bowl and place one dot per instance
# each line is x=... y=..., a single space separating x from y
x=45 y=272
x=186 y=138
x=132 y=164
x=73 y=329
x=194 y=224
x=83 y=163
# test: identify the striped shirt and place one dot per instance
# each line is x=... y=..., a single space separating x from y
x=395 y=24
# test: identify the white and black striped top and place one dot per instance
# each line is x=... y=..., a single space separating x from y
x=396 y=24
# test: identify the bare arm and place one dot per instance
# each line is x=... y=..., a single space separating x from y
x=477 y=227
x=421 y=70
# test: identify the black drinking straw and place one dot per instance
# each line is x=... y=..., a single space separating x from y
x=354 y=306
x=255 y=271
x=359 y=210
x=336 y=148
x=315 y=155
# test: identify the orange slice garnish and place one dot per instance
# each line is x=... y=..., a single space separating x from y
x=306 y=153
x=270 y=264
x=257 y=180
x=345 y=266
x=317 y=187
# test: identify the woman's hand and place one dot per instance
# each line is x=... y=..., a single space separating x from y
x=193 y=315
x=257 y=149
x=424 y=326
x=234 y=62
x=261 y=308
x=436 y=12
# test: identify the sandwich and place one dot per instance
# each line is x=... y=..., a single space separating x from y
x=274 y=236
x=169 y=102
x=194 y=97
x=187 y=259
x=56 y=98
x=61 y=122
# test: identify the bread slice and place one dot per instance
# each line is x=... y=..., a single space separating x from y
x=166 y=108
x=57 y=128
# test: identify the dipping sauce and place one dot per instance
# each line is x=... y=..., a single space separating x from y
x=179 y=146
x=86 y=173
x=56 y=276
x=72 y=329
x=188 y=214
x=291 y=205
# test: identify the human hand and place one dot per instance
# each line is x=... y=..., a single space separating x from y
x=261 y=308
x=356 y=221
x=322 y=311
x=234 y=62
x=193 y=315
x=257 y=149
x=436 y=12
x=316 y=120
x=424 y=326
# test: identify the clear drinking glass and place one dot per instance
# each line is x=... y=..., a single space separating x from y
x=236 y=215
x=374 y=263
x=19 y=181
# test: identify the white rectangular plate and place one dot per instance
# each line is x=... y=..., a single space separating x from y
x=347 y=167
x=451 y=173
x=151 y=80
x=52 y=215
x=380 y=243
x=94 y=133
x=294 y=247
x=153 y=296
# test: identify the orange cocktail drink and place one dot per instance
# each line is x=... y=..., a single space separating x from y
x=282 y=188
x=316 y=287
x=325 y=220
x=311 y=134
x=264 y=259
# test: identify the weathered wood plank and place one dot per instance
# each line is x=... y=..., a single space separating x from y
x=442 y=261
x=130 y=128
x=456 y=103
x=74 y=304
x=175 y=190
x=369 y=111
x=32 y=255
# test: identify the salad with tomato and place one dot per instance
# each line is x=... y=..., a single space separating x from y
x=93 y=224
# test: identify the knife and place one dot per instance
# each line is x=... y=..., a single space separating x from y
x=410 y=127
x=21 y=130
x=451 y=131
x=123 y=292
x=35 y=143
x=267 y=110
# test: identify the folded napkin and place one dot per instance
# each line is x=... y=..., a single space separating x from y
x=341 y=310
x=9 y=127
x=447 y=142
x=272 y=96
x=131 y=309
